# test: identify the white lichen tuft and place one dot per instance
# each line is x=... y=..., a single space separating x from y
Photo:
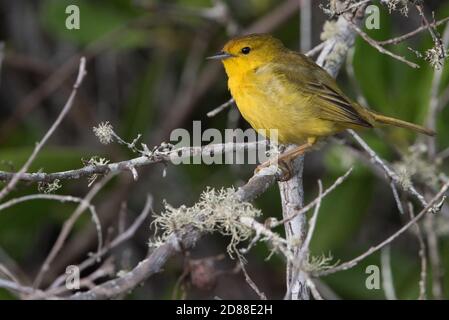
x=329 y=30
x=94 y=161
x=397 y=5
x=104 y=132
x=414 y=164
x=216 y=211
x=337 y=55
x=49 y=187
x=316 y=264
x=436 y=56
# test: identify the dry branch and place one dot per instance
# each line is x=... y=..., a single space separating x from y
x=16 y=177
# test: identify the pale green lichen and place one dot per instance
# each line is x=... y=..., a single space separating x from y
x=216 y=211
x=94 y=161
x=397 y=5
x=49 y=187
x=436 y=56
x=329 y=30
x=337 y=55
x=317 y=264
x=415 y=165
x=104 y=132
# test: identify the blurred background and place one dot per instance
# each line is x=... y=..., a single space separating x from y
x=147 y=74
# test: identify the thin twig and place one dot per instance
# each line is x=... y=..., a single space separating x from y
x=67 y=227
x=303 y=253
x=388 y=171
x=434 y=257
x=220 y=108
x=387 y=274
x=433 y=33
x=433 y=206
x=250 y=281
x=122 y=237
x=39 y=145
x=396 y=197
x=432 y=109
x=317 y=200
x=379 y=48
x=406 y=36
x=305 y=27
x=176 y=155
x=14 y=286
x=315 y=293
x=313 y=219
x=431 y=121
x=422 y=256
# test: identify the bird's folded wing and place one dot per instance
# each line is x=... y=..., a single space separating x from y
x=311 y=80
x=334 y=106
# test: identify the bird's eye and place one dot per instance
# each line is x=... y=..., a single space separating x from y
x=246 y=50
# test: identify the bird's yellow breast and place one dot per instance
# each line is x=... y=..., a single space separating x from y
x=267 y=101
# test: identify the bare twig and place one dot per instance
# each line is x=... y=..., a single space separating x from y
x=434 y=257
x=303 y=252
x=313 y=219
x=433 y=33
x=388 y=171
x=406 y=36
x=315 y=293
x=292 y=197
x=157 y=157
x=379 y=48
x=250 y=281
x=16 y=177
x=387 y=274
x=432 y=110
x=305 y=27
x=67 y=227
x=317 y=200
x=396 y=197
x=220 y=108
x=422 y=256
x=122 y=237
x=433 y=206
x=14 y=286
x=431 y=121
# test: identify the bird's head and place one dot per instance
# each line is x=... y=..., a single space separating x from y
x=248 y=52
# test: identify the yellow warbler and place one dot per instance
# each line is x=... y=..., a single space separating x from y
x=276 y=88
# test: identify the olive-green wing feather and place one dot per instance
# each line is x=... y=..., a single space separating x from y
x=335 y=106
x=310 y=79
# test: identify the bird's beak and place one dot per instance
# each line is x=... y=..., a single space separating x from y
x=220 y=56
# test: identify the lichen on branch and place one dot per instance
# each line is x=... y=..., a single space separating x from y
x=216 y=211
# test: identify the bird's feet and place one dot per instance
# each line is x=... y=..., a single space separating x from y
x=285 y=166
x=285 y=160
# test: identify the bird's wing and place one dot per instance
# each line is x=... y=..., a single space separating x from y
x=331 y=103
x=335 y=106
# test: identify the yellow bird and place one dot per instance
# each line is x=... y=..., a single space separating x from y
x=277 y=88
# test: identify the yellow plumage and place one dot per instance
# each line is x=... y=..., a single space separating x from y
x=276 y=88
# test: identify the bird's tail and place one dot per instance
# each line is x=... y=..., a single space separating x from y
x=400 y=123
